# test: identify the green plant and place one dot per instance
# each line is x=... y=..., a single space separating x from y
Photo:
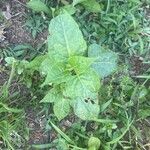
x=73 y=71
x=73 y=75
x=35 y=24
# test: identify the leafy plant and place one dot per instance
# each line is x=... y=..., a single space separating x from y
x=75 y=83
x=75 y=78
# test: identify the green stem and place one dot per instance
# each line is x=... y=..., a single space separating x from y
x=108 y=6
x=11 y=75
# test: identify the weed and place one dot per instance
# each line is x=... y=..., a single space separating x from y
x=36 y=24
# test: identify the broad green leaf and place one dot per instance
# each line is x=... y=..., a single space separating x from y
x=82 y=85
x=86 y=109
x=105 y=61
x=55 y=71
x=65 y=38
x=92 y=5
x=62 y=108
x=80 y=64
x=61 y=103
x=38 y=6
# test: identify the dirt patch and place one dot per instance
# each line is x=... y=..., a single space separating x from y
x=137 y=66
x=16 y=33
x=15 y=30
x=145 y=133
x=37 y=127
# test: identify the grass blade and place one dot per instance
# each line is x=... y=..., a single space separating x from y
x=67 y=138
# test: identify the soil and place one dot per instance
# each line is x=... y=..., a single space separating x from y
x=15 y=31
x=137 y=65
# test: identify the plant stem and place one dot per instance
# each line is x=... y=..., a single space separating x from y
x=108 y=6
x=11 y=75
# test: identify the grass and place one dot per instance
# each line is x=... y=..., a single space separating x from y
x=13 y=129
x=121 y=26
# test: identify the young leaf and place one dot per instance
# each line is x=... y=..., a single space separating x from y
x=65 y=38
x=106 y=61
x=39 y=6
x=86 y=109
x=61 y=108
x=80 y=64
x=61 y=103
